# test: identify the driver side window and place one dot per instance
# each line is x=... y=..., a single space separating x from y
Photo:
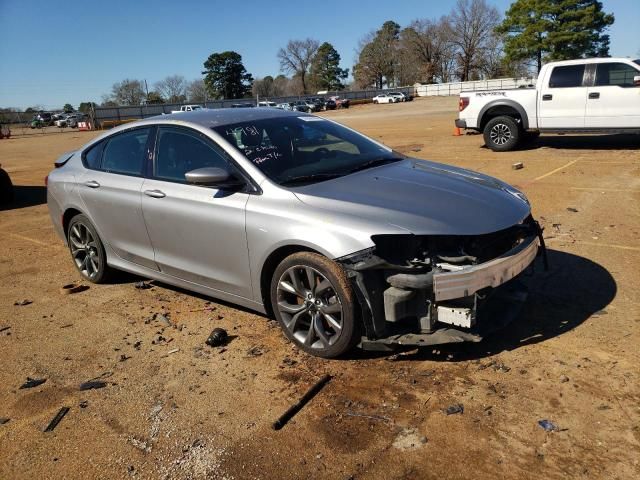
x=179 y=151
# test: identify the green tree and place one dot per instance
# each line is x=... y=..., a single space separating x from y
x=325 y=70
x=154 y=97
x=68 y=108
x=126 y=92
x=555 y=30
x=226 y=77
x=86 y=107
x=376 y=59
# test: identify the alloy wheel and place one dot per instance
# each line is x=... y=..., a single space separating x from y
x=309 y=307
x=84 y=250
x=500 y=134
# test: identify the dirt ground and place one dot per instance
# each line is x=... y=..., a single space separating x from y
x=200 y=412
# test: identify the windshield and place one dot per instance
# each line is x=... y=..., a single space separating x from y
x=298 y=150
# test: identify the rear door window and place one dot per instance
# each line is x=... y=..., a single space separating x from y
x=125 y=153
x=615 y=74
x=566 y=76
x=93 y=156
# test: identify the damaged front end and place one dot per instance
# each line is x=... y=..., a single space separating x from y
x=427 y=289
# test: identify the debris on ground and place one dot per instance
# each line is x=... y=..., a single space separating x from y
x=22 y=303
x=83 y=403
x=409 y=439
x=312 y=392
x=600 y=312
x=517 y=166
x=4 y=420
x=370 y=417
x=73 y=288
x=137 y=345
x=255 y=351
x=564 y=379
x=124 y=358
x=92 y=385
x=454 y=409
x=164 y=319
x=32 y=382
x=571 y=209
x=497 y=366
x=548 y=425
x=56 y=420
x=140 y=444
x=142 y=285
x=217 y=337
x=290 y=362
x=175 y=350
x=2 y=329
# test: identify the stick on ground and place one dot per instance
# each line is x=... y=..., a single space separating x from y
x=312 y=392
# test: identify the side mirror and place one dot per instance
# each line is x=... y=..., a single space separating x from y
x=212 y=177
x=636 y=80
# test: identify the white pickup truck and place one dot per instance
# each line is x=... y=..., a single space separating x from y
x=598 y=95
x=187 y=108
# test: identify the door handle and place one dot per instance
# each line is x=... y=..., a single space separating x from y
x=154 y=193
x=91 y=184
x=547 y=97
x=593 y=95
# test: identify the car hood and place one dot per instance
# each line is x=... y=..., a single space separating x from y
x=423 y=198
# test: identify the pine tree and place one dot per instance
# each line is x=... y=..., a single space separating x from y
x=555 y=30
x=326 y=73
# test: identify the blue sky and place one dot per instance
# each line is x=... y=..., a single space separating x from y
x=54 y=52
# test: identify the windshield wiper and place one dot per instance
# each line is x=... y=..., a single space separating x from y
x=311 y=178
x=376 y=162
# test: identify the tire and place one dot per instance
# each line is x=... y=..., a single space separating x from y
x=375 y=101
x=502 y=134
x=87 y=252
x=6 y=188
x=318 y=317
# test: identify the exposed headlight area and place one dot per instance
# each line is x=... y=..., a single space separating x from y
x=434 y=289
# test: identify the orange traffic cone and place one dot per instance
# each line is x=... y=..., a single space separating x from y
x=457 y=132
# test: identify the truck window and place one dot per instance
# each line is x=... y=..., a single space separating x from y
x=619 y=74
x=566 y=76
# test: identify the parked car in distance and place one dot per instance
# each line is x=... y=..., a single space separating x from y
x=285 y=106
x=330 y=104
x=597 y=95
x=242 y=105
x=267 y=104
x=402 y=97
x=73 y=119
x=341 y=102
x=305 y=106
x=345 y=240
x=385 y=98
x=61 y=121
x=188 y=108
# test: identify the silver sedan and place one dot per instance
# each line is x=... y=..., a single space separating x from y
x=341 y=238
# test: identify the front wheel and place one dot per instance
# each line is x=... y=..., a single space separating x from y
x=87 y=251
x=314 y=304
x=502 y=134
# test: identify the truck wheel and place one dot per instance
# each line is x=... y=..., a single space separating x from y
x=314 y=304
x=502 y=134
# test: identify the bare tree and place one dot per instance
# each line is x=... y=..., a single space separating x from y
x=472 y=24
x=126 y=92
x=173 y=88
x=429 y=47
x=196 y=91
x=296 y=58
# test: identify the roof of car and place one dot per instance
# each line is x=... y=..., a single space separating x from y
x=226 y=116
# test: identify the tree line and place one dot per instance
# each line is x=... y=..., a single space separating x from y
x=472 y=42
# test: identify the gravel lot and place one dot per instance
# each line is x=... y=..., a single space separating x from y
x=201 y=412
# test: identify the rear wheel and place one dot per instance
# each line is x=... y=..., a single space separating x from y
x=6 y=188
x=502 y=134
x=313 y=302
x=87 y=250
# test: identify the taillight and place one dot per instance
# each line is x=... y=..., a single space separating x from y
x=463 y=103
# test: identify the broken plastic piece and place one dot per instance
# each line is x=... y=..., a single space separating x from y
x=33 y=382
x=56 y=420
x=548 y=425
x=453 y=409
x=92 y=384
